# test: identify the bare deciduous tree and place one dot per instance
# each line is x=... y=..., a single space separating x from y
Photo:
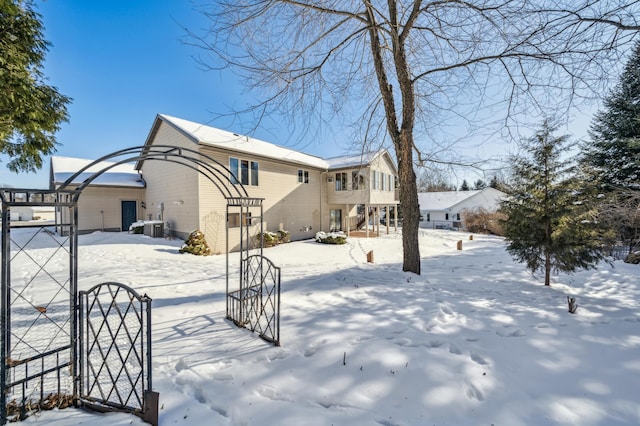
x=404 y=71
x=433 y=180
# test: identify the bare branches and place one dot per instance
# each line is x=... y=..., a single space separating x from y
x=418 y=67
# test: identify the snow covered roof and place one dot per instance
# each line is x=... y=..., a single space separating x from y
x=207 y=135
x=442 y=200
x=353 y=160
x=446 y=200
x=124 y=175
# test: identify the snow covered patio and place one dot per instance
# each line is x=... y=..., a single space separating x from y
x=474 y=340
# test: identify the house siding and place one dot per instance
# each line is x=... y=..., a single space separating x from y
x=288 y=205
x=100 y=208
x=173 y=185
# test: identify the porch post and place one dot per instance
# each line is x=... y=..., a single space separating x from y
x=395 y=217
x=366 y=219
x=386 y=213
x=348 y=222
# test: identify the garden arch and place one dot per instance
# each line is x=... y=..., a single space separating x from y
x=45 y=320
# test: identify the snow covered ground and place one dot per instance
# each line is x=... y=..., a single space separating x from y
x=474 y=340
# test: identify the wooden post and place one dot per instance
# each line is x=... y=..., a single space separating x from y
x=370 y=257
x=150 y=410
x=460 y=245
x=470 y=237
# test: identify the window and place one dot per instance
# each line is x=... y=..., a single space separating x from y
x=233 y=167
x=376 y=180
x=243 y=171
x=446 y=216
x=458 y=216
x=254 y=173
x=303 y=176
x=390 y=187
x=341 y=181
x=234 y=219
x=428 y=217
x=357 y=181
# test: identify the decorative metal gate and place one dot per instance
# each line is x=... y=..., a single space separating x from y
x=115 y=350
x=37 y=317
x=256 y=305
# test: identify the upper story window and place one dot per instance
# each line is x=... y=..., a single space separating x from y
x=303 y=176
x=243 y=171
x=341 y=181
x=357 y=181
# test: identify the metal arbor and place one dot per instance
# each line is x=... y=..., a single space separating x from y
x=60 y=346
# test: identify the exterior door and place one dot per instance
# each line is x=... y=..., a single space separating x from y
x=129 y=214
x=335 y=223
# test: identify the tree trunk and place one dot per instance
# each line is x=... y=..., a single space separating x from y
x=547 y=269
x=410 y=209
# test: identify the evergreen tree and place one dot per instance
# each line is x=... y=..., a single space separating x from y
x=498 y=183
x=479 y=184
x=613 y=155
x=464 y=186
x=549 y=226
x=30 y=110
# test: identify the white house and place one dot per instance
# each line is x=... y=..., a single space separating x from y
x=443 y=210
x=301 y=193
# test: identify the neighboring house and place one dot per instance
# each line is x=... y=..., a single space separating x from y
x=301 y=193
x=112 y=202
x=443 y=210
x=32 y=213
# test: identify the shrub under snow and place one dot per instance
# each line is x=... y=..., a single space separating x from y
x=331 y=237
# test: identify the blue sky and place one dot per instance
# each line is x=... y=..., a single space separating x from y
x=123 y=62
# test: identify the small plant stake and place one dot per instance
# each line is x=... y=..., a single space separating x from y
x=344 y=359
x=573 y=307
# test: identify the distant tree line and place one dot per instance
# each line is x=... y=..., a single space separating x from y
x=436 y=181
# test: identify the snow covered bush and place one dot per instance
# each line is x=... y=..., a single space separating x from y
x=273 y=238
x=196 y=244
x=331 y=238
x=136 y=227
